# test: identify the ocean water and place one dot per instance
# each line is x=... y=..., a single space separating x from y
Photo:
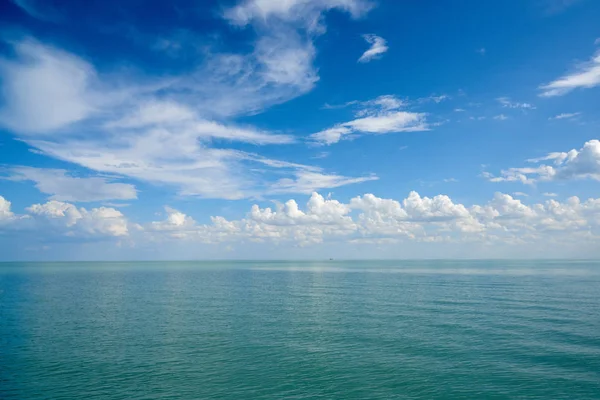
x=300 y=330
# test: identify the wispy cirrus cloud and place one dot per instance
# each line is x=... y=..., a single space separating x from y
x=381 y=115
x=306 y=12
x=62 y=186
x=565 y=116
x=585 y=76
x=45 y=89
x=40 y=9
x=178 y=130
x=508 y=103
x=378 y=47
x=552 y=7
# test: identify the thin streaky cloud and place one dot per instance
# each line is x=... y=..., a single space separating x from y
x=508 y=103
x=565 y=116
x=378 y=47
x=585 y=76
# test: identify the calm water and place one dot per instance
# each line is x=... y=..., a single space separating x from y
x=273 y=330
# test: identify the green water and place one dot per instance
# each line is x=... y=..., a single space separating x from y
x=275 y=330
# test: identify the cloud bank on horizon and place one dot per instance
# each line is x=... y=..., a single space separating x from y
x=206 y=113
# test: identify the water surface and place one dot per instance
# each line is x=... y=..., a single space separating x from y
x=300 y=330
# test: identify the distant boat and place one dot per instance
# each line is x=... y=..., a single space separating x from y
x=331 y=259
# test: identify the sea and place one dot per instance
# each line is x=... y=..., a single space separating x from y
x=443 y=329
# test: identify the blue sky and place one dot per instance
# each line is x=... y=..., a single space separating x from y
x=299 y=129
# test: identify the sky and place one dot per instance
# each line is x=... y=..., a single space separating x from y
x=299 y=129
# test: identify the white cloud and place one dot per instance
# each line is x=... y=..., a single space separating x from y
x=365 y=219
x=378 y=116
x=378 y=47
x=383 y=103
x=287 y=223
x=153 y=113
x=117 y=205
x=507 y=103
x=178 y=159
x=574 y=164
x=321 y=155
x=566 y=116
x=63 y=187
x=459 y=110
x=281 y=65
x=319 y=211
x=397 y=121
x=310 y=181
x=585 y=76
x=435 y=99
x=5 y=212
x=170 y=116
x=41 y=10
x=175 y=131
x=162 y=141
x=45 y=89
x=520 y=194
x=331 y=135
x=501 y=117
x=308 y=12
x=54 y=220
x=279 y=68
x=369 y=219
x=73 y=221
x=549 y=194
x=158 y=156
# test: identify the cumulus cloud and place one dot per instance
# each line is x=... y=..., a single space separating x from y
x=5 y=212
x=574 y=164
x=63 y=187
x=378 y=47
x=55 y=219
x=585 y=76
x=73 y=221
x=377 y=116
x=365 y=219
x=369 y=219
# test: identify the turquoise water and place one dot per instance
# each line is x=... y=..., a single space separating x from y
x=274 y=330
